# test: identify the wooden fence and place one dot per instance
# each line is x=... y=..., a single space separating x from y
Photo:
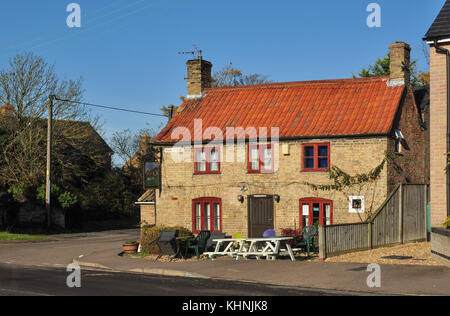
x=401 y=218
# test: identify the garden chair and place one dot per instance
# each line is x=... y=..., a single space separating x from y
x=167 y=244
x=307 y=242
x=210 y=244
x=198 y=244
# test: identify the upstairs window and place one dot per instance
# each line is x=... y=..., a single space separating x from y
x=207 y=160
x=260 y=159
x=316 y=157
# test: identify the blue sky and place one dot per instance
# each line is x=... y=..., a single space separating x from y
x=127 y=50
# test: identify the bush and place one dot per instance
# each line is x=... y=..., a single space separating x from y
x=152 y=233
x=447 y=223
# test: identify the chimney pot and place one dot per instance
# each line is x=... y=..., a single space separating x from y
x=400 y=56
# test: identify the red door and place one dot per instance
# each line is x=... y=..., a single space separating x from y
x=316 y=211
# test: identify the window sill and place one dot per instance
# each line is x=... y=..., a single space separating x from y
x=315 y=170
x=206 y=173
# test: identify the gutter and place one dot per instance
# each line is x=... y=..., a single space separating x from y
x=446 y=52
x=145 y=203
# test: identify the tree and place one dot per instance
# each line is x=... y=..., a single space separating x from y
x=381 y=67
x=25 y=86
x=231 y=77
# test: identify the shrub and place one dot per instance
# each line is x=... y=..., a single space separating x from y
x=152 y=233
x=447 y=223
x=67 y=200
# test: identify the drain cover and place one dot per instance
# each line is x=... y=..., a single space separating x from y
x=397 y=257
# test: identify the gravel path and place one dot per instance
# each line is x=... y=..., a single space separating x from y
x=420 y=253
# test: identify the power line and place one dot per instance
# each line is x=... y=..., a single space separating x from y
x=110 y=107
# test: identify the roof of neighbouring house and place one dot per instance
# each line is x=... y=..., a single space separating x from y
x=441 y=25
x=363 y=106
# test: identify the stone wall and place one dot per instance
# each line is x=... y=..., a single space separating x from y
x=353 y=155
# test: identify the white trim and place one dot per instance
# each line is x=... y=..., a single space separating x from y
x=353 y=210
x=446 y=40
x=145 y=203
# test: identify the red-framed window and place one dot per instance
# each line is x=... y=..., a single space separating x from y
x=207 y=215
x=260 y=159
x=315 y=210
x=316 y=157
x=207 y=160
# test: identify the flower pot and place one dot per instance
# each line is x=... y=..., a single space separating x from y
x=130 y=248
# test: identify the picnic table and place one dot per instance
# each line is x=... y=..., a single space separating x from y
x=271 y=248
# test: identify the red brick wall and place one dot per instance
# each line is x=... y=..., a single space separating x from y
x=410 y=165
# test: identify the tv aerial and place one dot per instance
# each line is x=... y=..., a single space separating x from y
x=196 y=52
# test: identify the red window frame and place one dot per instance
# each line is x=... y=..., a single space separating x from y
x=261 y=158
x=208 y=160
x=322 y=215
x=315 y=157
x=203 y=201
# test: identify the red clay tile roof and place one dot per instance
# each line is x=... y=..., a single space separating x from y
x=300 y=109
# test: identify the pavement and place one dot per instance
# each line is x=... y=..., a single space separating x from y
x=100 y=251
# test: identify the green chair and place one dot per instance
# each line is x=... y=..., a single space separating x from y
x=198 y=244
x=307 y=242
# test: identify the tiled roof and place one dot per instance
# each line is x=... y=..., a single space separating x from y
x=441 y=26
x=364 y=106
x=148 y=196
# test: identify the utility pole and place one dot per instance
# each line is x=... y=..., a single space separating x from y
x=48 y=188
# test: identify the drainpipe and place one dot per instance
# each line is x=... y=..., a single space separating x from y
x=446 y=52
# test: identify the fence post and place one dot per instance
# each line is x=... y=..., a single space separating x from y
x=425 y=210
x=369 y=235
x=322 y=244
x=400 y=215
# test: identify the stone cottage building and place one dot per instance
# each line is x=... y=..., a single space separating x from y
x=438 y=37
x=245 y=159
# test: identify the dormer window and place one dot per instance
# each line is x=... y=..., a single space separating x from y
x=398 y=141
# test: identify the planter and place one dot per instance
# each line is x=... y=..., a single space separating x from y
x=440 y=245
x=130 y=248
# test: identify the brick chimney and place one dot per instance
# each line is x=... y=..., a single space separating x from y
x=6 y=110
x=400 y=55
x=199 y=77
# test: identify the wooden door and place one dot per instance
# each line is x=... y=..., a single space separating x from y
x=260 y=215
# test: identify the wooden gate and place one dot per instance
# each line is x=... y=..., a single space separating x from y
x=260 y=215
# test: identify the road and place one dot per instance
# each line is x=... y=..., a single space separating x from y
x=18 y=280
x=60 y=250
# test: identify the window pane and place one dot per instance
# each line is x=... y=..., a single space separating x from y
x=309 y=163
x=214 y=157
x=198 y=216
x=216 y=217
x=207 y=216
x=316 y=213
x=323 y=162
x=305 y=215
x=323 y=151
x=254 y=159
x=267 y=159
x=327 y=210
x=201 y=161
x=309 y=151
